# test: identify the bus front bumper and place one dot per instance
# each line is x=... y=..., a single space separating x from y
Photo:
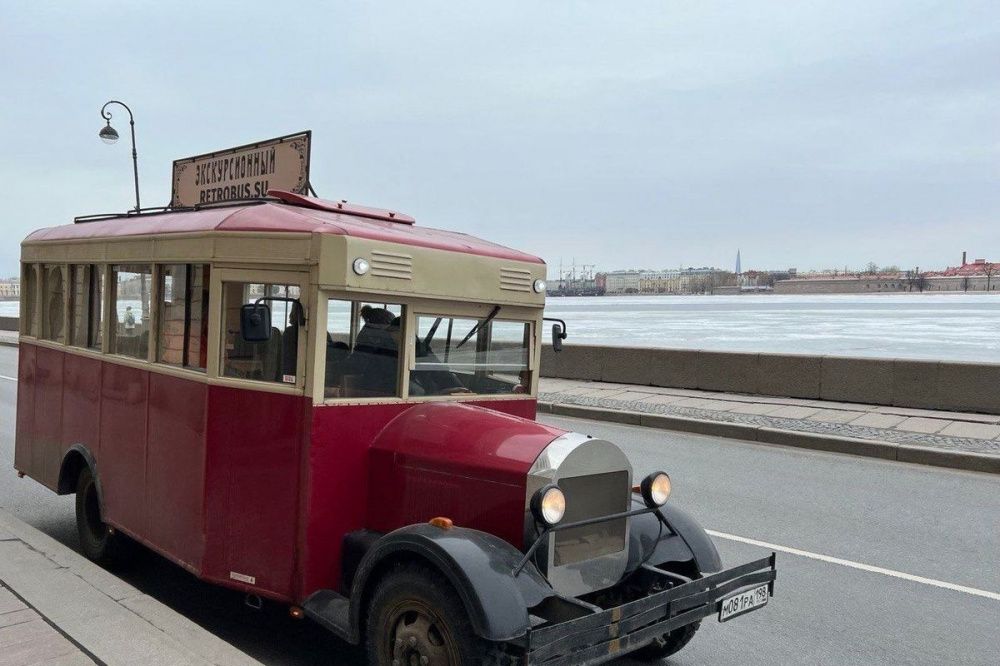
x=607 y=633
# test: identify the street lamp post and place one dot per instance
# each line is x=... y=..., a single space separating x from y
x=108 y=134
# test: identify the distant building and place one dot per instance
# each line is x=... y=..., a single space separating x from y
x=668 y=281
x=852 y=283
x=622 y=282
x=980 y=275
x=10 y=289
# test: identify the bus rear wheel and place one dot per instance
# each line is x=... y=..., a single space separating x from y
x=97 y=541
x=415 y=618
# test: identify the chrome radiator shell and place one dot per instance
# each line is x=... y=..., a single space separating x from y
x=578 y=460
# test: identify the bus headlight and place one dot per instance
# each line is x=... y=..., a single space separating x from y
x=549 y=505
x=538 y=286
x=655 y=489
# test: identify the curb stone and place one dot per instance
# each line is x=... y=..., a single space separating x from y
x=963 y=460
x=112 y=621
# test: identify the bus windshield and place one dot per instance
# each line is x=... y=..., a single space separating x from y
x=453 y=355
x=457 y=355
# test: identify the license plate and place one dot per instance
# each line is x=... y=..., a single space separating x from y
x=741 y=603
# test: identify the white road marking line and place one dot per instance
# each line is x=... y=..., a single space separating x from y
x=10 y=379
x=858 y=565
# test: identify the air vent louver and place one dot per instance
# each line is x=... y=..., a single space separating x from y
x=515 y=279
x=392 y=265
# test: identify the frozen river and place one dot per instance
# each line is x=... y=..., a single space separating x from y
x=939 y=326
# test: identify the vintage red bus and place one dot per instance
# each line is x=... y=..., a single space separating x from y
x=331 y=407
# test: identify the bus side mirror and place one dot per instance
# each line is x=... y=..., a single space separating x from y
x=255 y=322
x=557 y=338
x=558 y=333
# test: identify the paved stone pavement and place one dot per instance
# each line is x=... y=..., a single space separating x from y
x=955 y=431
x=27 y=638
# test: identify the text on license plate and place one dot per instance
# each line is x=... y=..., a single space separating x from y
x=744 y=602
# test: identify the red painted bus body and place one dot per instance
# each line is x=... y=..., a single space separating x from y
x=181 y=467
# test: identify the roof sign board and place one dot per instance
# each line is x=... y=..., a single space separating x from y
x=244 y=172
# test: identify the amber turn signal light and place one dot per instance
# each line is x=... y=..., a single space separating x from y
x=442 y=522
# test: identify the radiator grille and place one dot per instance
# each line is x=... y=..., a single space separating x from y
x=588 y=497
x=515 y=279
x=392 y=265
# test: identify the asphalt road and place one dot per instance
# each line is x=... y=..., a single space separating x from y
x=879 y=562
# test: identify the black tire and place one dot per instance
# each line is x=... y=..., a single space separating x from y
x=414 y=613
x=97 y=541
x=668 y=644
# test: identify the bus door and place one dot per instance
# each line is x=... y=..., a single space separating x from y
x=256 y=412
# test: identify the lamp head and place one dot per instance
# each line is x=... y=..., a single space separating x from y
x=108 y=134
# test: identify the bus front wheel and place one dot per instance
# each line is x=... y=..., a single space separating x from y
x=97 y=541
x=415 y=618
x=670 y=643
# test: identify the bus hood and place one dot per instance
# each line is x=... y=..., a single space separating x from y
x=460 y=461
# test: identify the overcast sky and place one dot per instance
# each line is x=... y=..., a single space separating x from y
x=624 y=134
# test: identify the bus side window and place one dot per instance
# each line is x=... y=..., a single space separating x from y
x=273 y=360
x=197 y=335
x=183 y=315
x=52 y=313
x=86 y=294
x=97 y=294
x=129 y=330
x=362 y=354
x=29 y=296
x=79 y=275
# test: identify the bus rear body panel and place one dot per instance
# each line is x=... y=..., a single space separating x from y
x=205 y=475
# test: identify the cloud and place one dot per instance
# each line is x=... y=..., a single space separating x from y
x=656 y=134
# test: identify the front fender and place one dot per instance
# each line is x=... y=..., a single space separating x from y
x=706 y=556
x=685 y=541
x=479 y=567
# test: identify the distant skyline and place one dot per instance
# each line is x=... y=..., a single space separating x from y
x=650 y=134
x=740 y=265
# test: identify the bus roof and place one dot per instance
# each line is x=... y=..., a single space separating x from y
x=288 y=213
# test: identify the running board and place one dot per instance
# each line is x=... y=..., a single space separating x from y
x=331 y=611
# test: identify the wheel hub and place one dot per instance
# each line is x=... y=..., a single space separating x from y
x=418 y=640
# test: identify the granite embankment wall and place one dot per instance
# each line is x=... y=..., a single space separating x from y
x=944 y=385
x=950 y=386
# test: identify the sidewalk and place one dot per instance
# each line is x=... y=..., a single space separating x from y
x=57 y=608
x=26 y=638
x=946 y=439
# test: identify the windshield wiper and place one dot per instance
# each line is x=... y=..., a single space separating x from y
x=479 y=325
x=430 y=335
